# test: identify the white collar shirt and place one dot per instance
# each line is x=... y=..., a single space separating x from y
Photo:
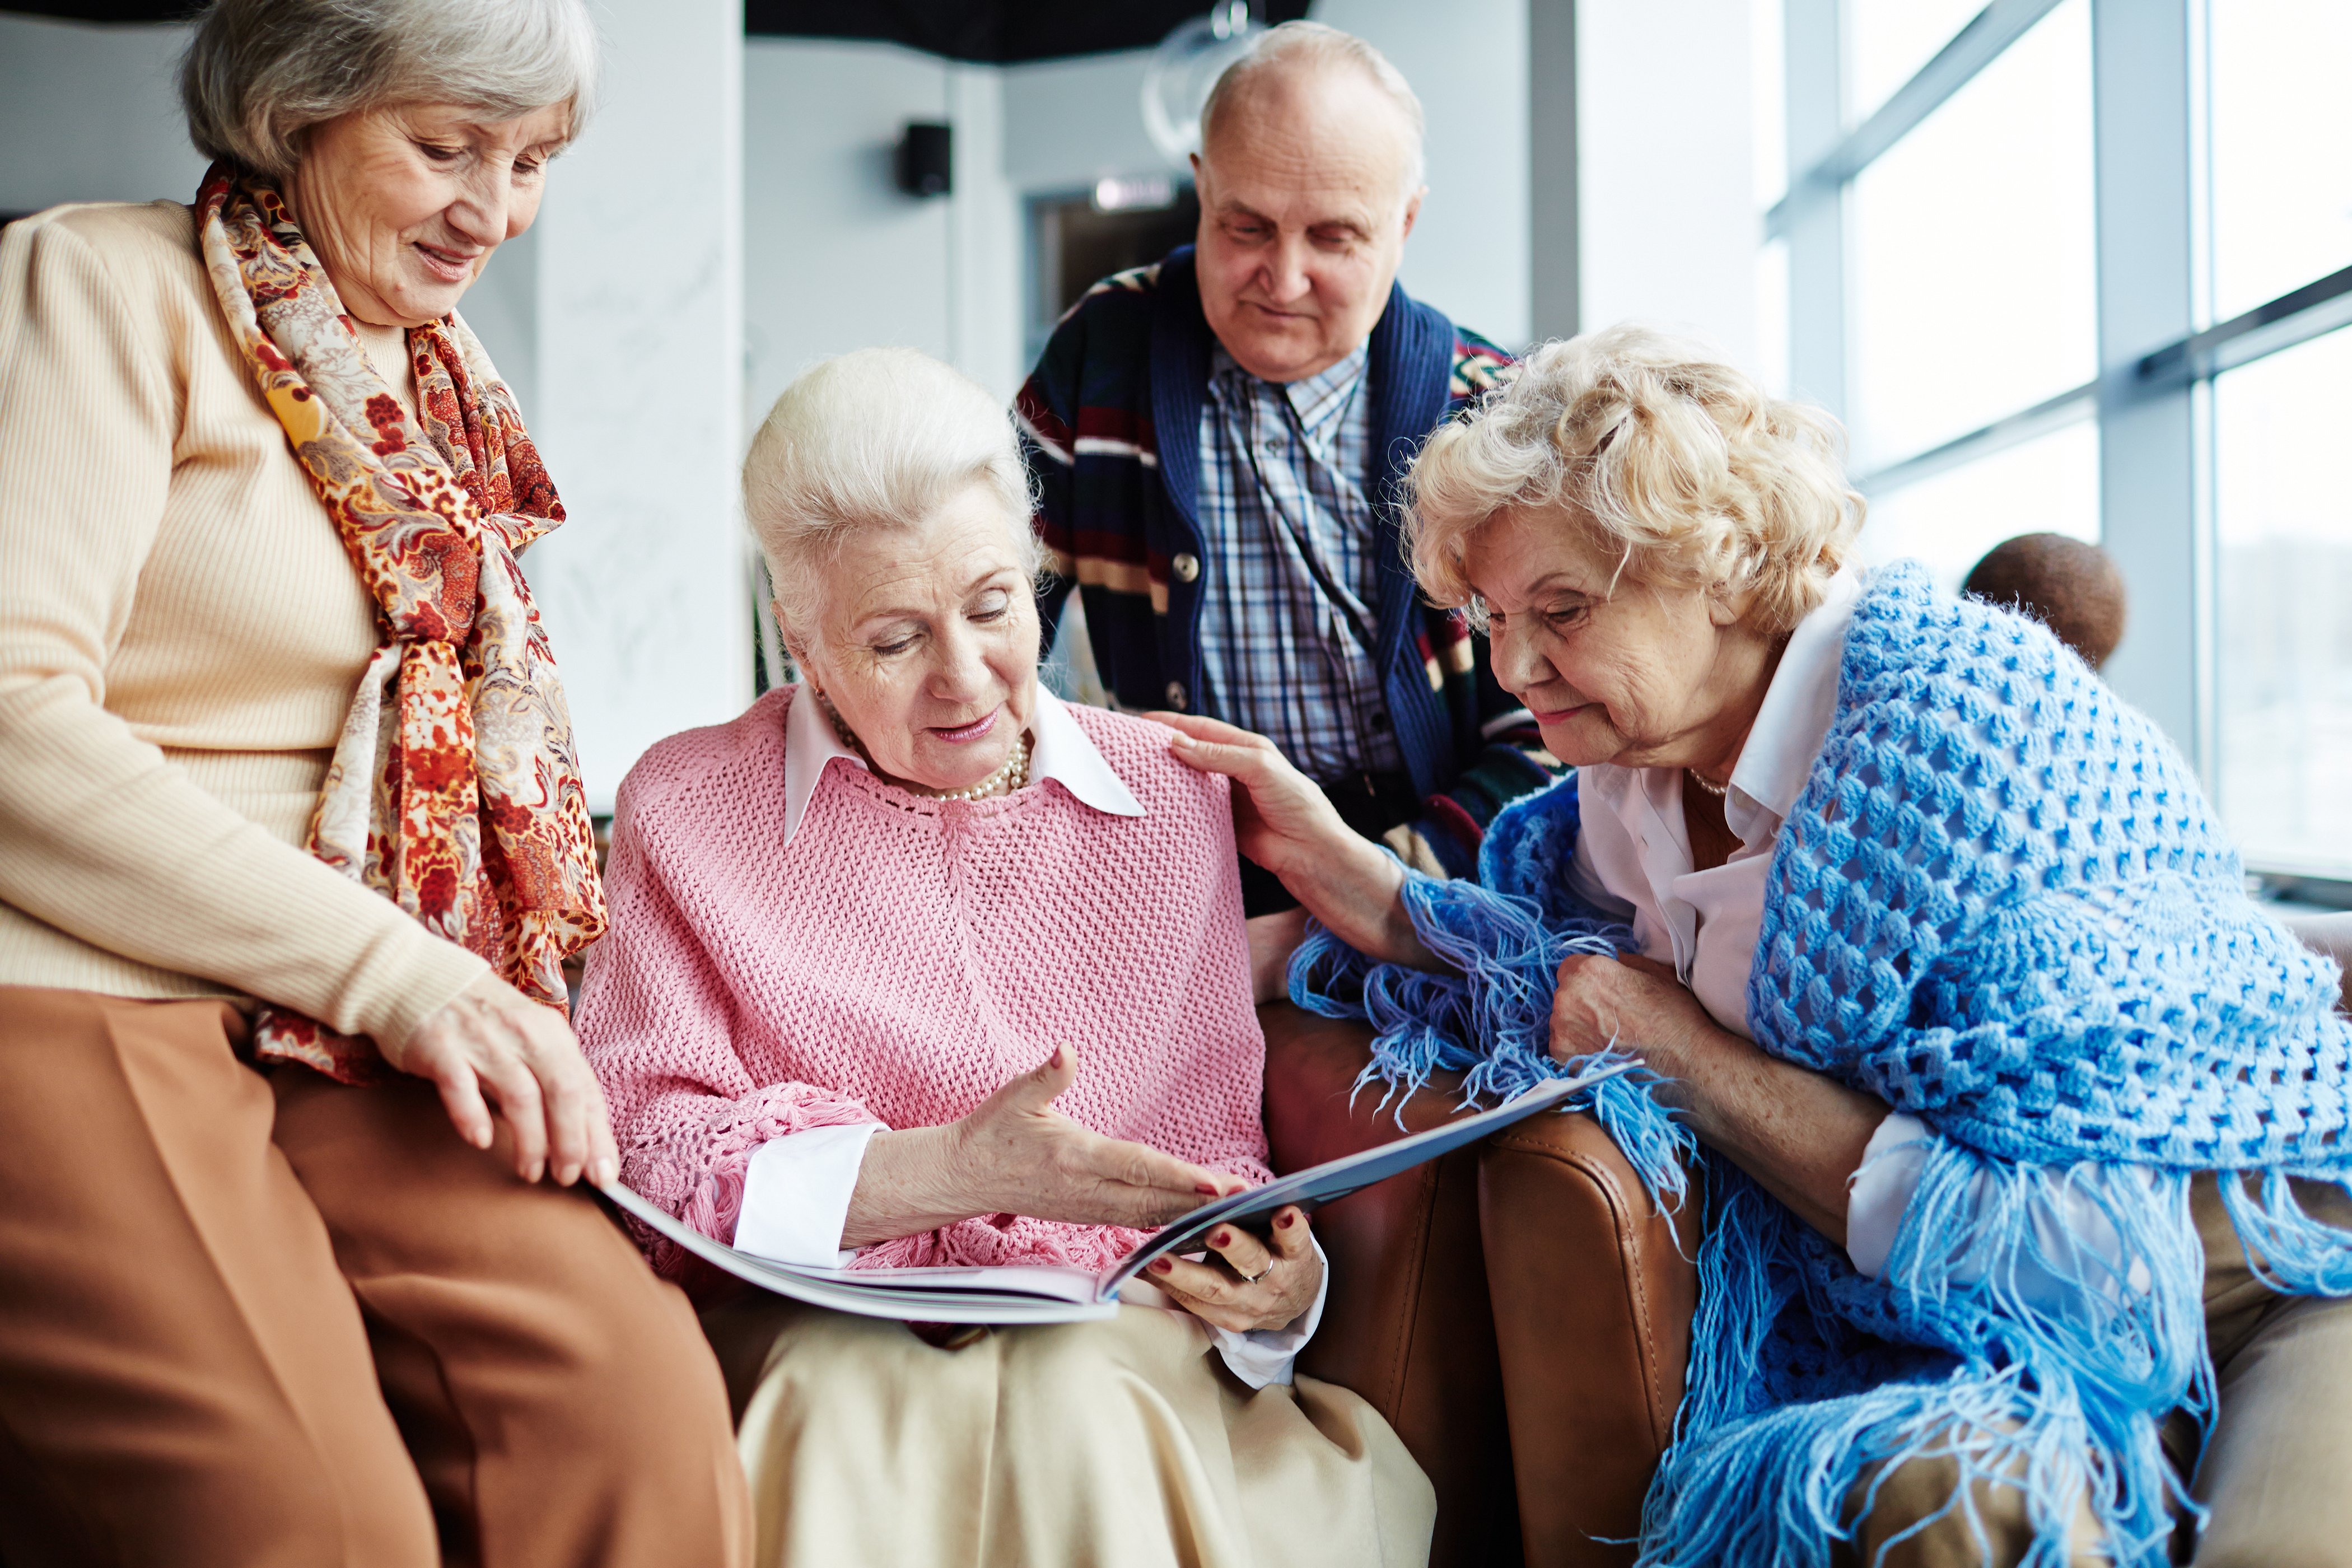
x=1060 y=751
x=1633 y=849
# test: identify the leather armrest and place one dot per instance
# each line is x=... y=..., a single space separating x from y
x=1407 y=1324
x=1592 y=1300
x=1517 y=1310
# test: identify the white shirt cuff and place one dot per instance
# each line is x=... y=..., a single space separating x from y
x=796 y=1194
x=1880 y=1189
x=1264 y=1355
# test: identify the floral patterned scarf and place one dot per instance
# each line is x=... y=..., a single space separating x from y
x=454 y=790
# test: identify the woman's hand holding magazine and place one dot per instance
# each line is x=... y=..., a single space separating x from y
x=1048 y=1295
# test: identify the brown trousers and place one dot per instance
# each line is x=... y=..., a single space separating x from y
x=2273 y=1473
x=257 y=1321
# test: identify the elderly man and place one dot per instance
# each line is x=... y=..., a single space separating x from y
x=1217 y=441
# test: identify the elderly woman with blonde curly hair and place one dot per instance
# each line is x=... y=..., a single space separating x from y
x=2023 y=1135
x=293 y=850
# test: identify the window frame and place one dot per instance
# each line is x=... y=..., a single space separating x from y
x=2152 y=396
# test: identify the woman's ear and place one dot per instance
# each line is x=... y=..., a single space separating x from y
x=793 y=646
x=1726 y=605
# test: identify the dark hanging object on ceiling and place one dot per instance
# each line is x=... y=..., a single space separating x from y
x=925 y=159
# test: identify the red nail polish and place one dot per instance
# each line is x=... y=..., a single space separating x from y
x=1223 y=1238
x=1161 y=1265
x=1285 y=1221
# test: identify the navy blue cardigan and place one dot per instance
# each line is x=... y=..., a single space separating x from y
x=1112 y=415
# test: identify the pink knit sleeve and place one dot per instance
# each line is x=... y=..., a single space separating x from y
x=658 y=1024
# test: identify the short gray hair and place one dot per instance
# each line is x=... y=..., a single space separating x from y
x=1314 y=46
x=259 y=73
x=877 y=438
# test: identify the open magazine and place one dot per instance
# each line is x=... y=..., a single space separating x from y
x=1023 y=1293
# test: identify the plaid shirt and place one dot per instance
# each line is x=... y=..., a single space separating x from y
x=1290 y=575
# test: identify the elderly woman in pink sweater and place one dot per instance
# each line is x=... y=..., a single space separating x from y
x=911 y=963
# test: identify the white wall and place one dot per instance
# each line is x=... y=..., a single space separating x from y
x=91 y=114
x=1069 y=122
x=834 y=258
x=1665 y=173
x=1468 y=62
x=647 y=590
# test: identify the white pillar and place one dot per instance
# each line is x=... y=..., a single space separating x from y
x=985 y=303
x=645 y=590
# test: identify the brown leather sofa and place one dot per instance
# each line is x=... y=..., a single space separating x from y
x=1517 y=1310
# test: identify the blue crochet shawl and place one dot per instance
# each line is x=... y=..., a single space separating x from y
x=2002 y=905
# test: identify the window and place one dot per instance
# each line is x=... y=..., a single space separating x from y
x=2284 y=556
x=1948 y=520
x=2281 y=147
x=1974 y=283
x=1888 y=40
x=2123 y=315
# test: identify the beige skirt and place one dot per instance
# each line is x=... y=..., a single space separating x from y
x=1122 y=1444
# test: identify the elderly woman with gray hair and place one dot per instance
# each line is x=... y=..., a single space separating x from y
x=2024 y=1137
x=293 y=850
x=911 y=964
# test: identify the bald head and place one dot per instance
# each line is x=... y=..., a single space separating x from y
x=1308 y=66
x=1309 y=176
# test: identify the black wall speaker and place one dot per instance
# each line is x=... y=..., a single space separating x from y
x=924 y=158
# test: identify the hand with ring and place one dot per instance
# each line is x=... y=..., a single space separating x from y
x=1245 y=1283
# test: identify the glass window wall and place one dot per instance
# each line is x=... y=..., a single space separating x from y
x=2283 y=550
x=1974 y=285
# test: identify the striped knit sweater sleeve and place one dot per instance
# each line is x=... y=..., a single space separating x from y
x=1087 y=418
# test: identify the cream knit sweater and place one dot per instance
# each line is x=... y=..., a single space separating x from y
x=179 y=637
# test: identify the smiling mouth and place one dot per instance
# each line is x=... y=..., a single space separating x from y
x=973 y=732
x=1560 y=715
x=448 y=268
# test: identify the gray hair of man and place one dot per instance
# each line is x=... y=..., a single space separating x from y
x=875 y=438
x=1302 y=46
x=259 y=73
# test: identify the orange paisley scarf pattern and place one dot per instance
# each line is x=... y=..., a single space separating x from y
x=453 y=791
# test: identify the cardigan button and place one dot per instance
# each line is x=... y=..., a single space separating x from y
x=1176 y=695
x=1186 y=567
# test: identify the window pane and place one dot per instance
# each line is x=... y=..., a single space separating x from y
x=1974 y=280
x=1768 y=35
x=2282 y=144
x=1772 y=317
x=1887 y=41
x=2284 y=521
x=2048 y=485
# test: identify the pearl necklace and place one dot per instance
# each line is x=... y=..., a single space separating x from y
x=1013 y=775
x=1708 y=784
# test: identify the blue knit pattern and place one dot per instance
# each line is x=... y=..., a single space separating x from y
x=2002 y=905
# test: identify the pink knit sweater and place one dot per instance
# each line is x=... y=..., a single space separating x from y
x=902 y=957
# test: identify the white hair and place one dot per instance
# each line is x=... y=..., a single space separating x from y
x=877 y=438
x=261 y=73
x=1302 y=48
x=1671 y=461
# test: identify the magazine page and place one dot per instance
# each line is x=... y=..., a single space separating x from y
x=1007 y=1295
x=1333 y=1180
x=1038 y=1294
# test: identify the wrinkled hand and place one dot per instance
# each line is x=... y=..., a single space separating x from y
x=1632 y=1004
x=498 y=1057
x=1017 y=1154
x=1280 y=817
x=1286 y=823
x=1248 y=1284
